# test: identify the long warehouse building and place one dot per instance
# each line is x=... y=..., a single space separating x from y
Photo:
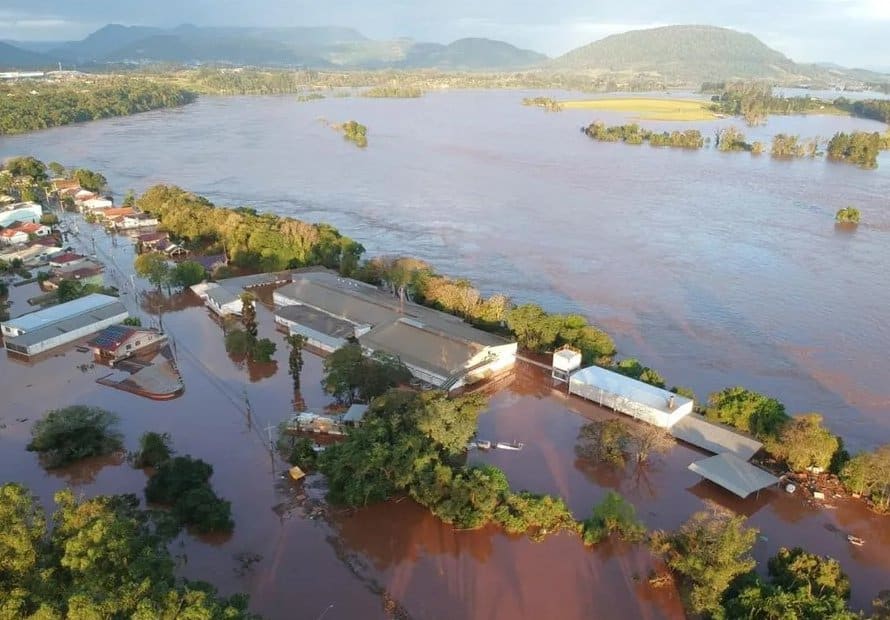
x=52 y=327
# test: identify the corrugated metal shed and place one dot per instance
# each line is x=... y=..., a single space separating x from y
x=733 y=474
x=53 y=314
x=695 y=430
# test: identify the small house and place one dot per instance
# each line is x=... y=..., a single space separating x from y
x=13 y=236
x=112 y=213
x=92 y=205
x=136 y=220
x=212 y=262
x=118 y=342
x=220 y=300
x=66 y=260
x=148 y=242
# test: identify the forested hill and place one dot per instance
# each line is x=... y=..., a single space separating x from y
x=691 y=54
x=11 y=56
x=472 y=53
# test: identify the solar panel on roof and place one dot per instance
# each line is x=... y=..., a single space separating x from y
x=112 y=336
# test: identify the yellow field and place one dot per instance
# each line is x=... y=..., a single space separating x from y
x=649 y=109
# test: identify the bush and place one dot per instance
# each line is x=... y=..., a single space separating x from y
x=868 y=473
x=203 y=510
x=747 y=411
x=847 y=215
x=537 y=515
x=73 y=433
x=132 y=321
x=613 y=514
x=803 y=443
x=183 y=484
x=154 y=450
x=298 y=451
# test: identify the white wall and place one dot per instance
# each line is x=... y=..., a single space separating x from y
x=56 y=341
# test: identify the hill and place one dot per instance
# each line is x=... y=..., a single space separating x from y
x=102 y=43
x=692 y=54
x=12 y=57
x=471 y=54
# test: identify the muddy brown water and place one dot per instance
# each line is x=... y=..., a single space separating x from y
x=348 y=565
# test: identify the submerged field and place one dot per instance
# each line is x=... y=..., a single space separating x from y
x=649 y=109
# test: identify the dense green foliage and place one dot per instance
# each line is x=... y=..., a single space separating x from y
x=266 y=241
x=356 y=133
x=90 y=180
x=868 y=473
x=132 y=321
x=847 y=215
x=632 y=368
x=154 y=450
x=539 y=331
x=754 y=101
x=56 y=104
x=731 y=139
x=70 y=290
x=875 y=109
x=800 y=585
x=295 y=357
x=241 y=343
x=350 y=375
x=746 y=410
x=296 y=450
x=803 y=443
x=153 y=267
x=786 y=146
x=634 y=134
x=183 y=483
x=66 y=435
x=394 y=91
x=858 y=148
x=102 y=558
x=613 y=515
x=410 y=443
x=549 y=104
x=708 y=551
x=28 y=168
x=187 y=273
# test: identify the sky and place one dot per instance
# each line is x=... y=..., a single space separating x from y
x=848 y=32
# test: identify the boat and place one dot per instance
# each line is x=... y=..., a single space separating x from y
x=513 y=445
x=483 y=444
x=855 y=540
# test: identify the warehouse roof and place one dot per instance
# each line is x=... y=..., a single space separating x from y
x=733 y=474
x=694 y=429
x=419 y=345
x=66 y=325
x=636 y=391
x=60 y=312
x=317 y=320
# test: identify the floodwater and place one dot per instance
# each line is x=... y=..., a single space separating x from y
x=716 y=269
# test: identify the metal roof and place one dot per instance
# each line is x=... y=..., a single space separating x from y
x=64 y=326
x=317 y=320
x=636 y=391
x=733 y=474
x=61 y=312
x=221 y=296
x=112 y=337
x=695 y=430
x=355 y=413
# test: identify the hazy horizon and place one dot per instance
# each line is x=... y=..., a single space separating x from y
x=847 y=32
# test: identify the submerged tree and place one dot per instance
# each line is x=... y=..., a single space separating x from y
x=295 y=359
x=248 y=314
x=73 y=433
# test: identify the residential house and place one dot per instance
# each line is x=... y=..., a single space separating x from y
x=134 y=221
x=13 y=236
x=221 y=300
x=94 y=205
x=83 y=195
x=211 y=263
x=112 y=213
x=148 y=242
x=31 y=228
x=65 y=186
x=67 y=260
x=118 y=342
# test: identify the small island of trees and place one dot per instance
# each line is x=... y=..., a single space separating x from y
x=634 y=134
x=355 y=132
x=550 y=105
x=847 y=215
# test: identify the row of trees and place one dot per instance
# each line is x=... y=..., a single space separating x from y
x=54 y=104
x=754 y=101
x=859 y=147
x=634 y=134
x=549 y=104
x=251 y=240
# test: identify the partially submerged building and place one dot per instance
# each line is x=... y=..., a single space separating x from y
x=631 y=397
x=438 y=348
x=20 y=212
x=46 y=329
x=117 y=342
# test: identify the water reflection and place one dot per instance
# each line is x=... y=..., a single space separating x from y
x=84 y=472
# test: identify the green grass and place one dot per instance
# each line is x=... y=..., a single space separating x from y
x=649 y=109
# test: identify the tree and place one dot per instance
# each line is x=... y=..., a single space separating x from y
x=868 y=473
x=187 y=273
x=263 y=350
x=154 y=268
x=747 y=410
x=57 y=169
x=73 y=433
x=102 y=558
x=132 y=321
x=350 y=375
x=604 y=441
x=30 y=194
x=89 y=180
x=355 y=132
x=184 y=483
x=847 y=215
x=129 y=198
x=710 y=550
x=450 y=423
x=248 y=315
x=613 y=514
x=49 y=219
x=648 y=439
x=27 y=167
x=69 y=290
x=804 y=443
x=154 y=450
x=295 y=358
x=534 y=329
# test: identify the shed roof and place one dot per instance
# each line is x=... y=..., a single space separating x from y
x=631 y=389
x=355 y=413
x=695 y=430
x=61 y=312
x=733 y=474
x=221 y=296
x=66 y=325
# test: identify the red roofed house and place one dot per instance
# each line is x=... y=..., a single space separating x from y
x=31 y=228
x=118 y=342
x=114 y=212
x=68 y=259
x=13 y=236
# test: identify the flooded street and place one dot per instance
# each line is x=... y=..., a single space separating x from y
x=716 y=269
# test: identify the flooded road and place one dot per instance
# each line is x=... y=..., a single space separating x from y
x=715 y=268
